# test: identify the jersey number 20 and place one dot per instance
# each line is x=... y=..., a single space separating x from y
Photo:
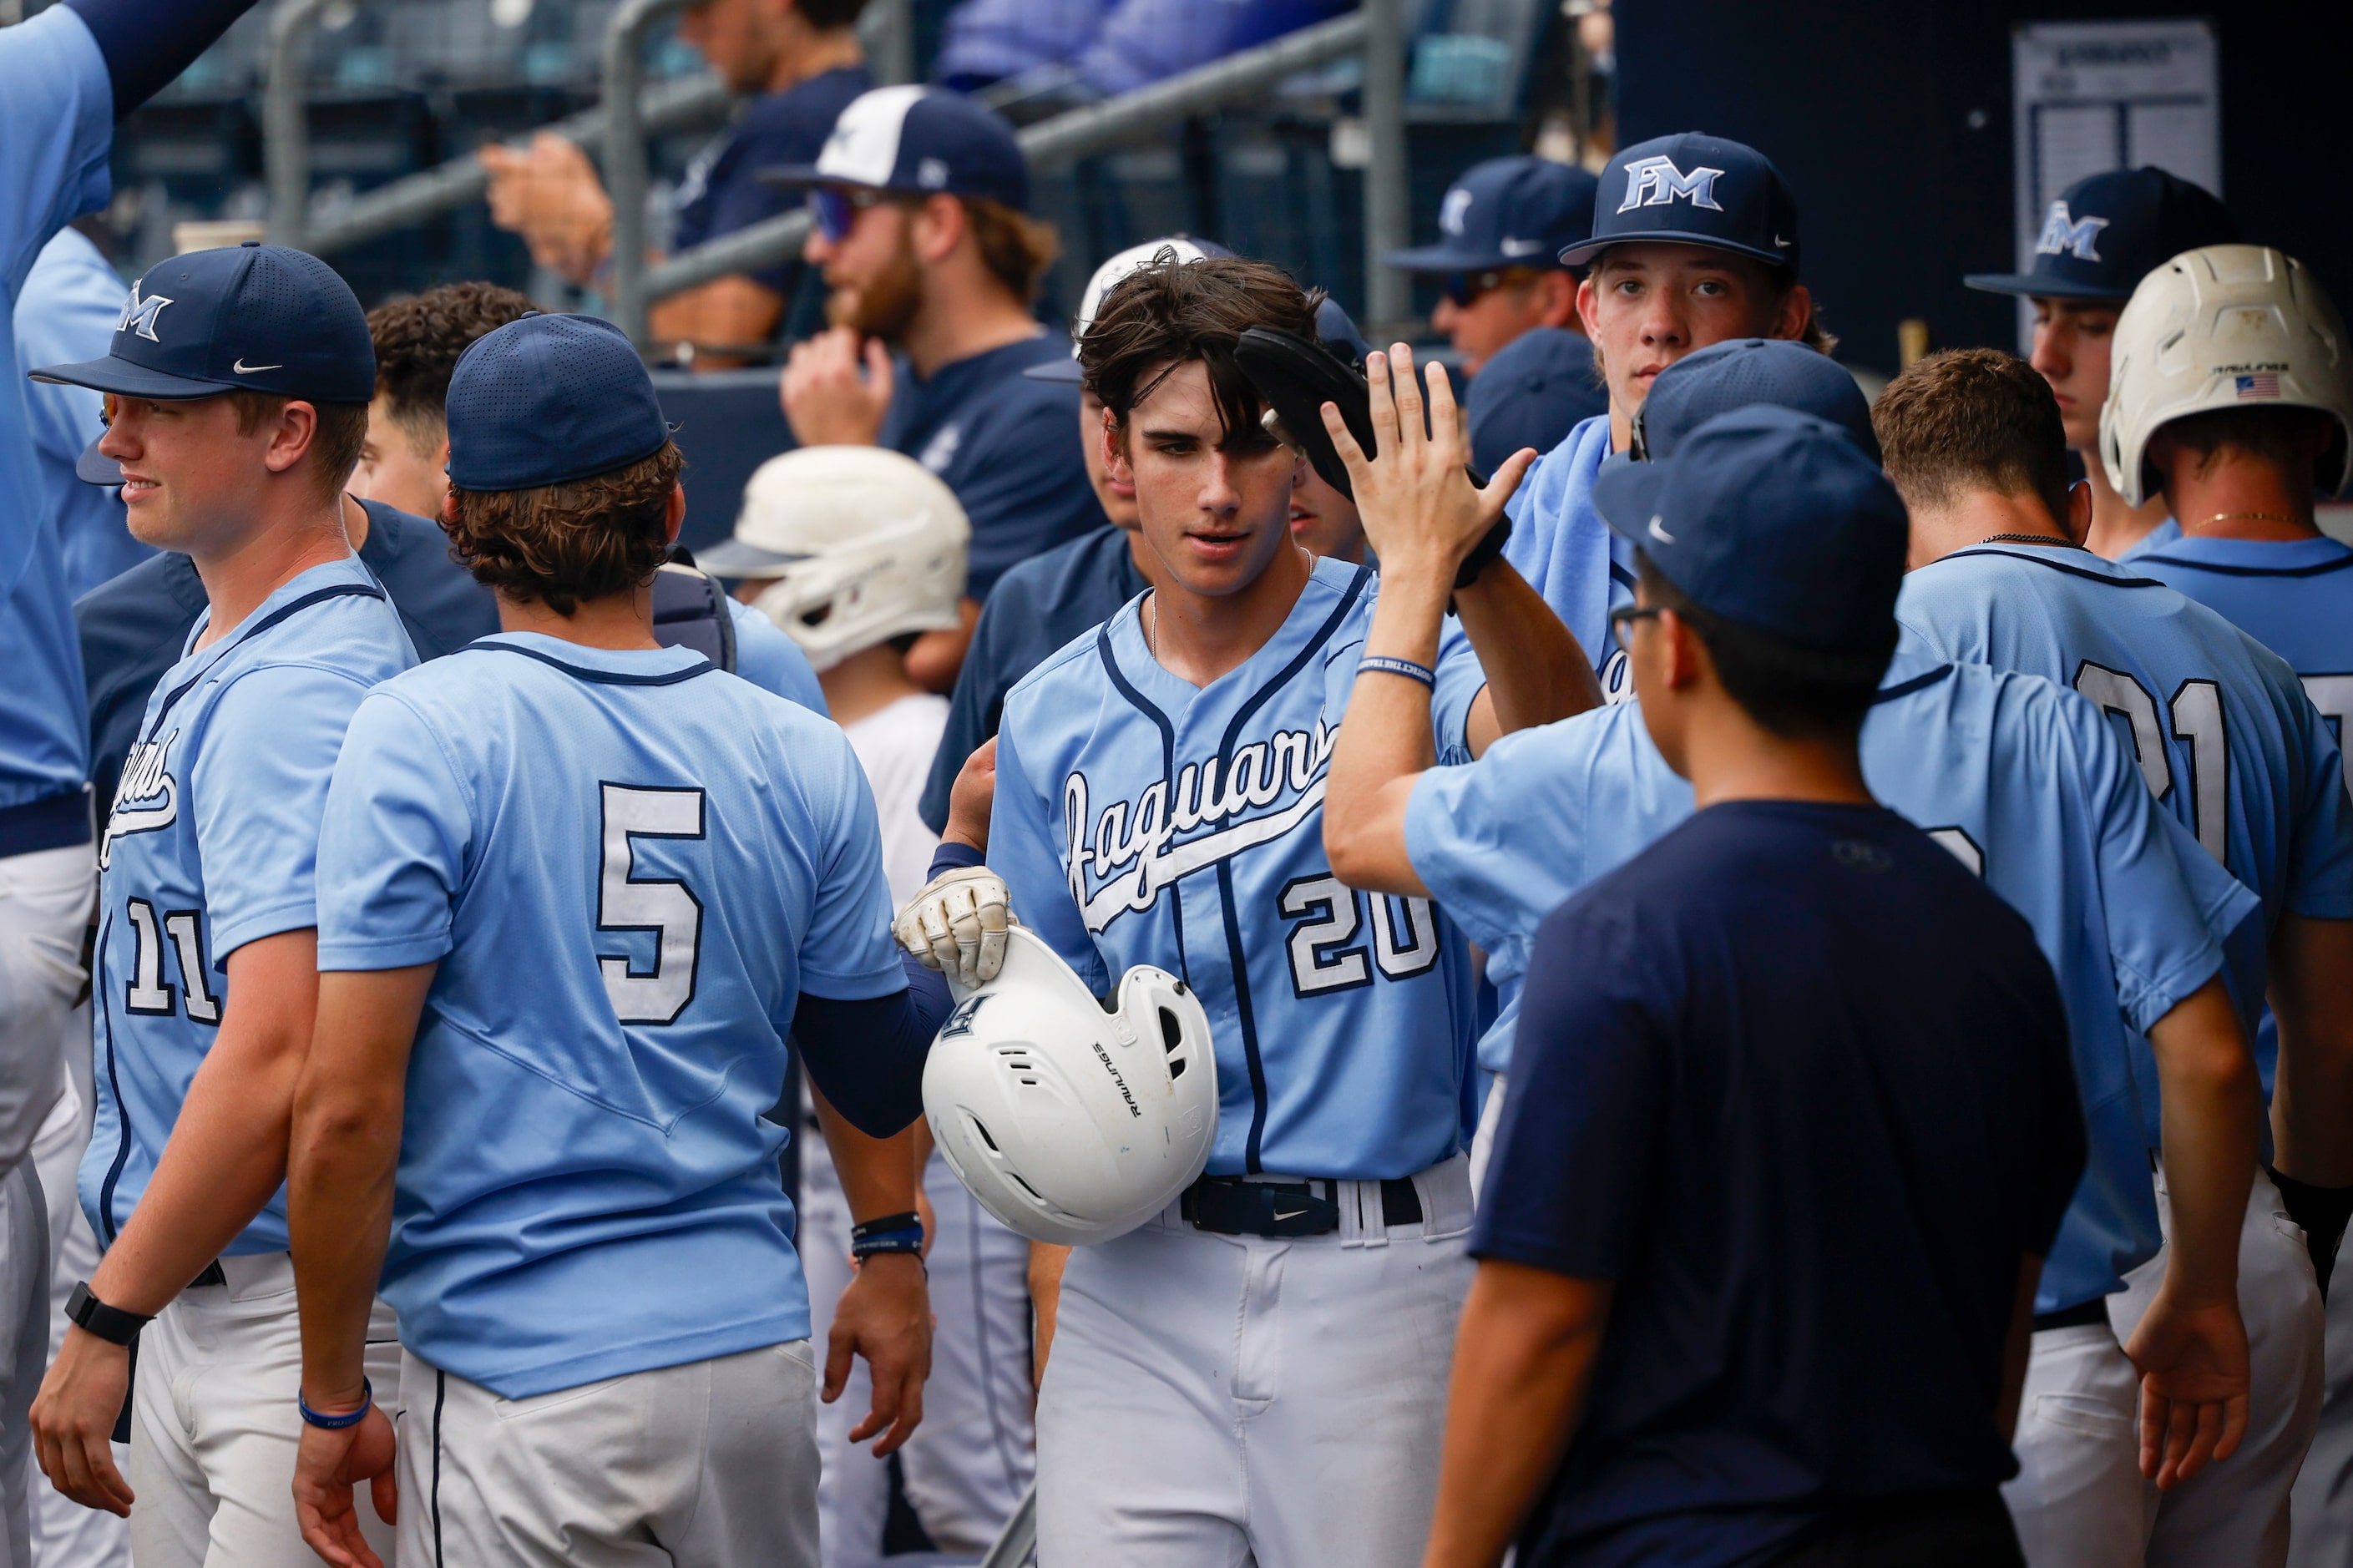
x=1326 y=954
x=668 y=909
x=2196 y=714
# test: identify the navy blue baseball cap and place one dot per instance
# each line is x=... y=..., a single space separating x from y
x=1336 y=330
x=250 y=318
x=1507 y=212
x=1532 y=391
x=1740 y=373
x=2108 y=232
x=1776 y=522
x=545 y=400
x=1691 y=189
x=917 y=140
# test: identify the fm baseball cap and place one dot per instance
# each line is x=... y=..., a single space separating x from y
x=1106 y=278
x=1691 y=189
x=545 y=400
x=2108 y=232
x=1507 y=212
x=1774 y=519
x=1741 y=374
x=917 y=140
x=251 y=318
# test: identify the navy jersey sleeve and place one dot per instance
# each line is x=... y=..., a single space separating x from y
x=1028 y=494
x=147 y=42
x=1567 y=1188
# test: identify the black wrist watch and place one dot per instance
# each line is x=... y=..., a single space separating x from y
x=111 y=1324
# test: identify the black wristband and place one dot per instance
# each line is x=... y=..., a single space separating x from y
x=113 y=1324
x=2322 y=1212
x=887 y=1233
x=1483 y=553
x=884 y=1224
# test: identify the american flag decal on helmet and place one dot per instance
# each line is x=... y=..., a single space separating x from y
x=2262 y=384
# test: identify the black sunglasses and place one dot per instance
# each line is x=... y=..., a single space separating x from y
x=1623 y=619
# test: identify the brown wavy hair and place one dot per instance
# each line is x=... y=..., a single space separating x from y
x=1169 y=312
x=418 y=341
x=561 y=544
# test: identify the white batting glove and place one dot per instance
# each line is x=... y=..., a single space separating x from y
x=957 y=925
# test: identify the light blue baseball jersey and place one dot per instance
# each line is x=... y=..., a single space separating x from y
x=1560 y=544
x=628 y=865
x=772 y=661
x=2223 y=733
x=65 y=313
x=2155 y=539
x=2294 y=596
x=2018 y=779
x=1140 y=819
x=57 y=123
x=214 y=843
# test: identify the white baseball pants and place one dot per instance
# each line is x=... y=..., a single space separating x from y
x=2321 y=1534
x=214 y=1424
x=1223 y=1399
x=969 y=1463
x=65 y=1533
x=708 y=1465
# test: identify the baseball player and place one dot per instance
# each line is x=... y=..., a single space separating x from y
x=1694 y=241
x=67 y=75
x=1501 y=226
x=854 y=551
x=237 y=384
x=2229 y=743
x=1700 y=1339
x=2018 y=779
x=2238 y=456
x=2100 y=238
x=1258 y=1372
x=578 y=885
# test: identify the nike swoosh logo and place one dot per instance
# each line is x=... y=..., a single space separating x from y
x=1280 y=1216
x=241 y=368
x=1660 y=534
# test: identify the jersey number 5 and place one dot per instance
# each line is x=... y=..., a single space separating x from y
x=668 y=909
x=2196 y=714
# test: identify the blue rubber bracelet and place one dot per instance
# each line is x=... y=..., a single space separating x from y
x=888 y=1241
x=1383 y=664
x=337 y=1422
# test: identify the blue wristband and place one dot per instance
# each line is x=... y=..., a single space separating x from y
x=908 y=1240
x=1381 y=663
x=337 y=1422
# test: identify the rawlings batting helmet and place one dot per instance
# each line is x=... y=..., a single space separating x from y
x=1071 y=1119
x=2227 y=326
x=865 y=544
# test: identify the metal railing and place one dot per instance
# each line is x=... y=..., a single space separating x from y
x=630 y=112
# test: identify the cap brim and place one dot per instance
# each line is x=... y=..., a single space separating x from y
x=127 y=380
x=95 y=468
x=1577 y=254
x=2026 y=284
x=1063 y=371
x=801 y=176
x=733 y=558
x=1439 y=258
x=1627 y=496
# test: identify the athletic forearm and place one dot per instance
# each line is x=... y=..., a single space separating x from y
x=2212 y=1107
x=226 y=1153
x=1537 y=671
x=1524 y=1358
x=1385 y=742
x=2311 y=993
x=342 y=1159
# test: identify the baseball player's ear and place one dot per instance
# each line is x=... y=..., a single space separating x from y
x=676 y=518
x=2078 y=521
x=1796 y=311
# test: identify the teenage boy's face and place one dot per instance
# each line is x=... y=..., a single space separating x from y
x=2072 y=343
x=396 y=468
x=1647 y=305
x=1214 y=504
x=189 y=480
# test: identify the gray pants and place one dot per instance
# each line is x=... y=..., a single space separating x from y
x=2321 y=1506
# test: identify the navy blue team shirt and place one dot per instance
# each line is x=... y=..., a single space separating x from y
x=1799 y=1084
x=1007 y=446
x=719 y=191
x=1037 y=607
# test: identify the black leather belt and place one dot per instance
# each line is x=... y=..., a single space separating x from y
x=211 y=1276
x=1233 y=1205
x=2095 y=1311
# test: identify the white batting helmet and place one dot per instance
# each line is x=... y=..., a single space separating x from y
x=865 y=544
x=1072 y=1121
x=2227 y=326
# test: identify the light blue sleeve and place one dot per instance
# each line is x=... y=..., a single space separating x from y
x=848 y=954
x=259 y=788
x=1499 y=842
x=1022 y=848
x=772 y=661
x=1921 y=615
x=1460 y=678
x=394 y=846
x=2320 y=872
x=66 y=311
x=57 y=123
x=2167 y=903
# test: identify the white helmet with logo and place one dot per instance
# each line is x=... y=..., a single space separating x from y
x=1072 y=1121
x=864 y=544
x=2227 y=326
